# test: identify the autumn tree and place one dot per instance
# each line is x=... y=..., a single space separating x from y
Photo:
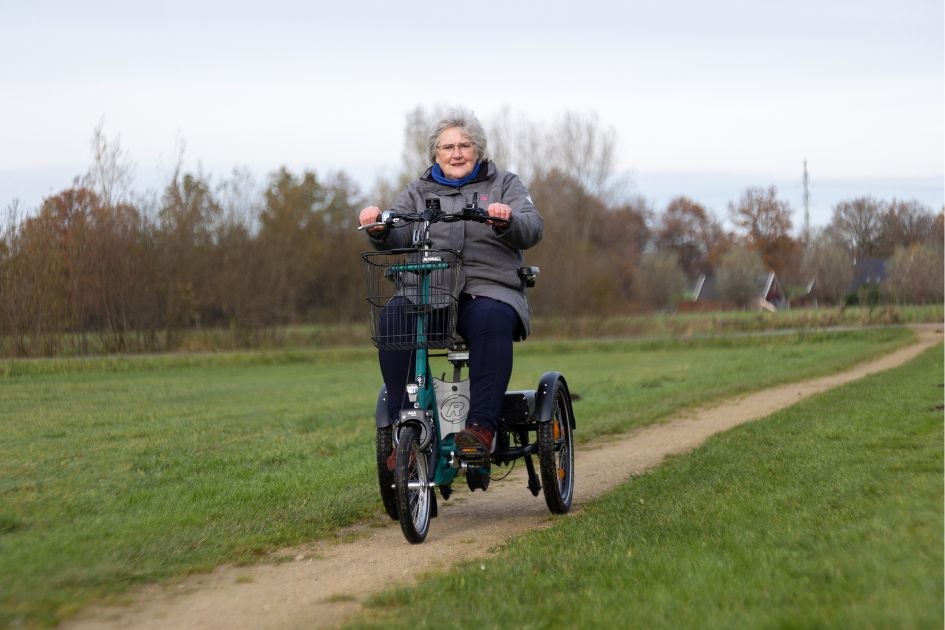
x=240 y=285
x=766 y=221
x=35 y=282
x=335 y=290
x=687 y=230
x=188 y=219
x=289 y=238
x=578 y=275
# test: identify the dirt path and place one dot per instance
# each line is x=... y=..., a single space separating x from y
x=324 y=583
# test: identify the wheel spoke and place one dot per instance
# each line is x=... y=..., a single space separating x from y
x=413 y=491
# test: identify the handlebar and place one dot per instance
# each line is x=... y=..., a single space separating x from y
x=392 y=218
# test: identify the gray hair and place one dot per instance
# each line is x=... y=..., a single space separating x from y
x=468 y=124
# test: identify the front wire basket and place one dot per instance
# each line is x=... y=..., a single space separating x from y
x=403 y=287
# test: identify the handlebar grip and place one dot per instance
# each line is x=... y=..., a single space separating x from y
x=479 y=215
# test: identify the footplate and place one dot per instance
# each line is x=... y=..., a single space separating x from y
x=473 y=455
x=471 y=451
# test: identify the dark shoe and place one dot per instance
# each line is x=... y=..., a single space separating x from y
x=474 y=444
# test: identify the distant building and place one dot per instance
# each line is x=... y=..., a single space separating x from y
x=808 y=299
x=705 y=295
x=868 y=271
x=772 y=297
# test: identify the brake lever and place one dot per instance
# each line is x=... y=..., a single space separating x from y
x=368 y=226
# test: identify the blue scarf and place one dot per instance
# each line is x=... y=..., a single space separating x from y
x=440 y=178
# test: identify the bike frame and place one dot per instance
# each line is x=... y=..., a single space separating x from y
x=424 y=397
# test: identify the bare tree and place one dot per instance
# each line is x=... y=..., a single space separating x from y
x=112 y=172
x=415 y=158
x=858 y=223
x=739 y=275
x=904 y=223
x=517 y=145
x=829 y=265
x=659 y=280
x=581 y=147
x=915 y=275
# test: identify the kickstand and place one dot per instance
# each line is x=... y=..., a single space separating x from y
x=533 y=484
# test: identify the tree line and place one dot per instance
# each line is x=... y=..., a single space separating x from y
x=99 y=261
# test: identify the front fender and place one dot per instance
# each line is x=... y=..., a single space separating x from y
x=382 y=412
x=545 y=397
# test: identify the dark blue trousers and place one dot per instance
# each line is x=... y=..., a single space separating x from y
x=488 y=326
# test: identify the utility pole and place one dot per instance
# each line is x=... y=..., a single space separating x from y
x=806 y=205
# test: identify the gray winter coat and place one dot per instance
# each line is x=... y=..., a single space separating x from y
x=491 y=258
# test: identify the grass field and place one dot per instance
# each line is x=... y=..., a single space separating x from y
x=354 y=333
x=120 y=471
x=826 y=515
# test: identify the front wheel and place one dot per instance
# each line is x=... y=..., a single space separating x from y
x=412 y=487
x=556 y=453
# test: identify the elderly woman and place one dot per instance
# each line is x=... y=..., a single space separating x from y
x=493 y=311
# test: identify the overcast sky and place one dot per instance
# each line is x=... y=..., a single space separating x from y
x=706 y=98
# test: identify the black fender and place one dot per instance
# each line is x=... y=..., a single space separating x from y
x=381 y=413
x=545 y=400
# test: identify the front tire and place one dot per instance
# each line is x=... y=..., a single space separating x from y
x=412 y=487
x=556 y=453
x=385 y=477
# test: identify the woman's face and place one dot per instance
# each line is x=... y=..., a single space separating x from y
x=455 y=153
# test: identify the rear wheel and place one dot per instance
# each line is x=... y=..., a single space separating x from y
x=411 y=484
x=385 y=477
x=556 y=453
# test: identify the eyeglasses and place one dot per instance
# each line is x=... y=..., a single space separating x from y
x=447 y=149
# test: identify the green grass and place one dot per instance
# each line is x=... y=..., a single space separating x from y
x=827 y=514
x=351 y=333
x=120 y=471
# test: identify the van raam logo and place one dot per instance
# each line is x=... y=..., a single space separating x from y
x=454 y=408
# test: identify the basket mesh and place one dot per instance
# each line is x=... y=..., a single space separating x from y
x=404 y=287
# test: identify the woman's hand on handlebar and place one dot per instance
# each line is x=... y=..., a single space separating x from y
x=371 y=216
x=501 y=212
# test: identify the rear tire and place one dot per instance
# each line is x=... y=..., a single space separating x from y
x=411 y=484
x=556 y=453
x=385 y=477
